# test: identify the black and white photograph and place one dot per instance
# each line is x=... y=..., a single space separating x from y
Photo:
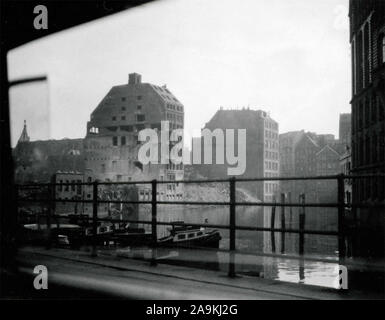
x=192 y=150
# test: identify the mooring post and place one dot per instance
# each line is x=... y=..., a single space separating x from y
x=154 y=237
x=290 y=209
x=283 y=223
x=302 y=224
x=94 y=217
x=272 y=225
x=232 y=229
x=341 y=216
x=51 y=196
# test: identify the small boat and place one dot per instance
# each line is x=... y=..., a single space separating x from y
x=128 y=235
x=103 y=234
x=189 y=236
x=62 y=234
x=100 y=230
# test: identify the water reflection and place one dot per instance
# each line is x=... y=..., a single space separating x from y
x=284 y=269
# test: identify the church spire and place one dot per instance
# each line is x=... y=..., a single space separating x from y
x=24 y=135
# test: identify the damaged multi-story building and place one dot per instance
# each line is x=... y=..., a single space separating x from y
x=112 y=143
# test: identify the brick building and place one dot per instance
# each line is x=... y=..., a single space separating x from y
x=111 y=144
x=367 y=38
x=262 y=144
x=69 y=192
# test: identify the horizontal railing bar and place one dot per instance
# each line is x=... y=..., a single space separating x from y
x=218 y=203
x=328 y=177
x=262 y=204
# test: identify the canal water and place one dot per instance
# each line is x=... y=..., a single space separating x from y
x=252 y=243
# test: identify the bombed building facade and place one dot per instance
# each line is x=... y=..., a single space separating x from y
x=112 y=143
x=109 y=151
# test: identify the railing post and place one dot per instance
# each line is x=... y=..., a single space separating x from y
x=290 y=208
x=16 y=197
x=94 y=217
x=341 y=216
x=302 y=225
x=154 y=222
x=283 y=223
x=272 y=226
x=232 y=229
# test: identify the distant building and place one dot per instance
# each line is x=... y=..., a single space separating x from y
x=327 y=160
x=307 y=154
x=262 y=145
x=69 y=192
x=305 y=164
x=287 y=145
x=367 y=38
x=38 y=161
x=328 y=163
x=111 y=143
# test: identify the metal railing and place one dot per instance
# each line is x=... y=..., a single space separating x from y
x=232 y=204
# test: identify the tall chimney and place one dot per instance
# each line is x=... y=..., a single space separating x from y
x=134 y=78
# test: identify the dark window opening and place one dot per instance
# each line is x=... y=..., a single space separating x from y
x=140 y=117
x=126 y=128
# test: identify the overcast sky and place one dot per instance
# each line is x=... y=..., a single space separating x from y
x=288 y=57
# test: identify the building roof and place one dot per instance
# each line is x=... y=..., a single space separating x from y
x=24 y=137
x=162 y=93
x=328 y=148
x=237 y=118
x=307 y=136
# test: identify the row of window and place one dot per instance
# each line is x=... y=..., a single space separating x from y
x=137 y=97
x=271 y=165
x=72 y=187
x=271 y=155
x=271 y=174
x=272 y=125
x=369 y=189
x=175 y=107
x=174 y=117
x=367 y=112
x=369 y=151
x=271 y=187
x=173 y=166
x=146 y=196
x=271 y=134
x=362 y=60
x=271 y=144
x=138 y=118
